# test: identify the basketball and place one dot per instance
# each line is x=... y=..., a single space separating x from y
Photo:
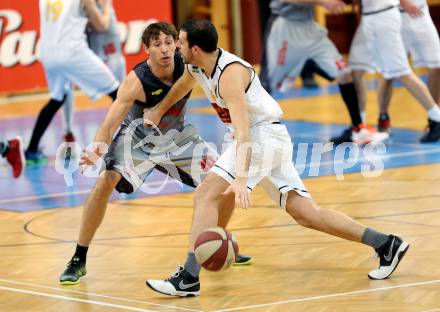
x=216 y=249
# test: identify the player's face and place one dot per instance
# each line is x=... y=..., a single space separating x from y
x=162 y=49
x=183 y=45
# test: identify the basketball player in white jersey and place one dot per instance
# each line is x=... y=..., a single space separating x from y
x=253 y=116
x=421 y=41
x=378 y=47
x=66 y=58
x=291 y=38
x=107 y=45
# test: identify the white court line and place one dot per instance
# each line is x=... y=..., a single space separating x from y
x=328 y=296
x=118 y=306
x=55 y=195
x=431 y=310
x=97 y=295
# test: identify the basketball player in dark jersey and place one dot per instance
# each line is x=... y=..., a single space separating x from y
x=135 y=150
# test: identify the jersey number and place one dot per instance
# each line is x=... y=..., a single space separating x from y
x=53 y=10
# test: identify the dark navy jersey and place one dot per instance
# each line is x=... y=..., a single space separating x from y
x=155 y=90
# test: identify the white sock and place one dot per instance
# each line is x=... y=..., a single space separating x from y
x=363 y=116
x=434 y=113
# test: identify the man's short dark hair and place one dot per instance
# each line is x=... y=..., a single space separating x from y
x=153 y=31
x=201 y=33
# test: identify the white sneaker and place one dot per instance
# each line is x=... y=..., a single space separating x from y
x=390 y=255
x=180 y=284
x=366 y=135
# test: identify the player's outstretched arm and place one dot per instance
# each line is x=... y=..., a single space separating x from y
x=100 y=21
x=232 y=88
x=129 y=91
x=182 y=86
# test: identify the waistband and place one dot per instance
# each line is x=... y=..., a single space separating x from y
x=379 y=11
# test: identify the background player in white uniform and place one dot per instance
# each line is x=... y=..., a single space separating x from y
x=292 y=37
x=253 y=116
x=66 y=58
x=378 y=47
x=107 y=45
x=421 y=41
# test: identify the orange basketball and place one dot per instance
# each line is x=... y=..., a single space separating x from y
x=216 y=249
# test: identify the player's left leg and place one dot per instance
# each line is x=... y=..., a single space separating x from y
x=390 y=248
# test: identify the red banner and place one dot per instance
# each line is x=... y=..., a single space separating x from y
x=19 y=33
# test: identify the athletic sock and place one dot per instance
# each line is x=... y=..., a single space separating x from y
x=363 y=117
x=349 y=95
x=434 y=113
x=81 y=253
x=68 y=109
x=191 y=265
x=374 y=238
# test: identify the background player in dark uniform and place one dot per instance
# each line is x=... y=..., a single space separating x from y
x=135 y=150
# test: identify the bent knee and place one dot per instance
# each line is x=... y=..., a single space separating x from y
x=108 y=180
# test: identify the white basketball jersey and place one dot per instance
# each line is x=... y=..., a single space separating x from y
x=375 y=5
x=262 y=107
x=61 y=22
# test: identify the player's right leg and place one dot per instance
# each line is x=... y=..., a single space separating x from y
x=93 y=213
x=114 y=177
x=434 y=83
x=207 y=198
x=384 y=93
x=420 y=91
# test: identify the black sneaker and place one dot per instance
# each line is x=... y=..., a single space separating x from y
x=433 y=134
x=242 y=260
x=74 y=271
x=346 y=136
x=390 y=255
x=180 y=284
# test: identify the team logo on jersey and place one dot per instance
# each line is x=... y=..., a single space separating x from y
x=195 y=69
x=157 y=92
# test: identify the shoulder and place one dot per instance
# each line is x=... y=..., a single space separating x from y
x=131 y=87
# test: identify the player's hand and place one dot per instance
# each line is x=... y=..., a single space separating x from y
x=152 y=117
x=334 y=6
x=90 y=157
x=242 y=194
x=413 y=10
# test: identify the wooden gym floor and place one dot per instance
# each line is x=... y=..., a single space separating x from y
x=294 y=269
